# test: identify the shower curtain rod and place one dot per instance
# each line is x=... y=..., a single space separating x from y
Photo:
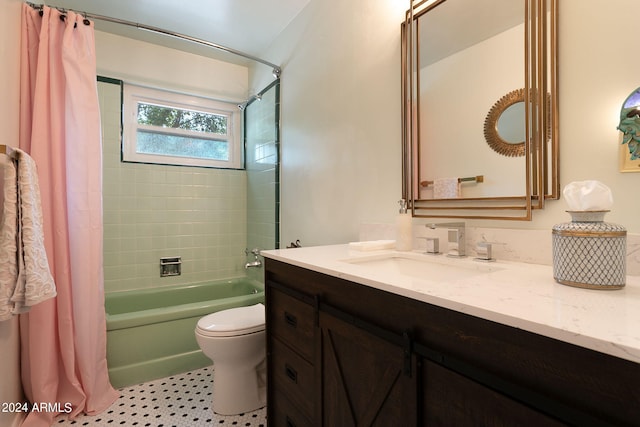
x=277 y=71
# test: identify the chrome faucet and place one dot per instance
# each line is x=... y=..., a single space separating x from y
x=256 y=262
x=456 y=237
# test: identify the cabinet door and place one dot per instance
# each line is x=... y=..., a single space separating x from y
x=364 y=379
x=450 y=399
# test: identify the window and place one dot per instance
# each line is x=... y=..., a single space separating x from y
x=170 y=128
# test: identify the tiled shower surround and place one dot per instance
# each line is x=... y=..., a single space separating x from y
x=153 y=211
x=262 y=173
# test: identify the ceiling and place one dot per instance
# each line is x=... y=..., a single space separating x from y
x=453 y=26
x=249 y=26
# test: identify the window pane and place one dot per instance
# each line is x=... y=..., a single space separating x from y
x=168 y=117
x=171 y=128
x=181 y=146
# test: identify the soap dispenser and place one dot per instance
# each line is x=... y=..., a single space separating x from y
x=403 y=228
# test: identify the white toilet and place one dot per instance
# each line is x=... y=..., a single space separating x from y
x=234 y=340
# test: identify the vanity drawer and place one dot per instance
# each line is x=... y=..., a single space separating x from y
x=285 y=414
x=292 y=321
x=292 y=376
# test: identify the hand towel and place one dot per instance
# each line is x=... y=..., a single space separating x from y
x=8 y=236
x=35 y=282
x=446 y=188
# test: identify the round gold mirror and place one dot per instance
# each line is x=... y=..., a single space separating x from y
x=504 y=127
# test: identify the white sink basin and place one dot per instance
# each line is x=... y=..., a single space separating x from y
x=432 y=268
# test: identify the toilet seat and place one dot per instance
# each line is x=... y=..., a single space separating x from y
x=233 y=322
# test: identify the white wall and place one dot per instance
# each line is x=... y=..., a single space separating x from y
x=598 y=70
x=139 y=62
x=341 y=114
x=340 y=118
x=10 y=385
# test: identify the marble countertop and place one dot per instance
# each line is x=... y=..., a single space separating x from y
x=521 y=295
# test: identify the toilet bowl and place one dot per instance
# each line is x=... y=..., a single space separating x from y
x=234 y=340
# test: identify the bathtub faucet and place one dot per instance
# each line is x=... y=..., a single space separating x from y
x=256 y=262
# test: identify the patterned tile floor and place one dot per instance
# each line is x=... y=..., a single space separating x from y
x=182 y=400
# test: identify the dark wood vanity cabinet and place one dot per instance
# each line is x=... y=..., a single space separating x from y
x=344 y=354
x=291 y=347
x=363 y=378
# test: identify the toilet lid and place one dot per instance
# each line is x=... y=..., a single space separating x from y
x=234 y=321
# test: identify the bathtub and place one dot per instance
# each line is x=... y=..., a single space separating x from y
x=150 y=332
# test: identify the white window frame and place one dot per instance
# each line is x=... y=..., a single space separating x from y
x=133 y=94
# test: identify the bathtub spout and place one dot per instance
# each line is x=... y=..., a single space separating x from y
x=256 y=263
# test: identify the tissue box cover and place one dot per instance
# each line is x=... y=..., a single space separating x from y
x=589 y=253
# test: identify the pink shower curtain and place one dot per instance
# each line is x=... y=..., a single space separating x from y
x=64 y=339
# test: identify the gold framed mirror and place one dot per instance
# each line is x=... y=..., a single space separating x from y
x=459 y=56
